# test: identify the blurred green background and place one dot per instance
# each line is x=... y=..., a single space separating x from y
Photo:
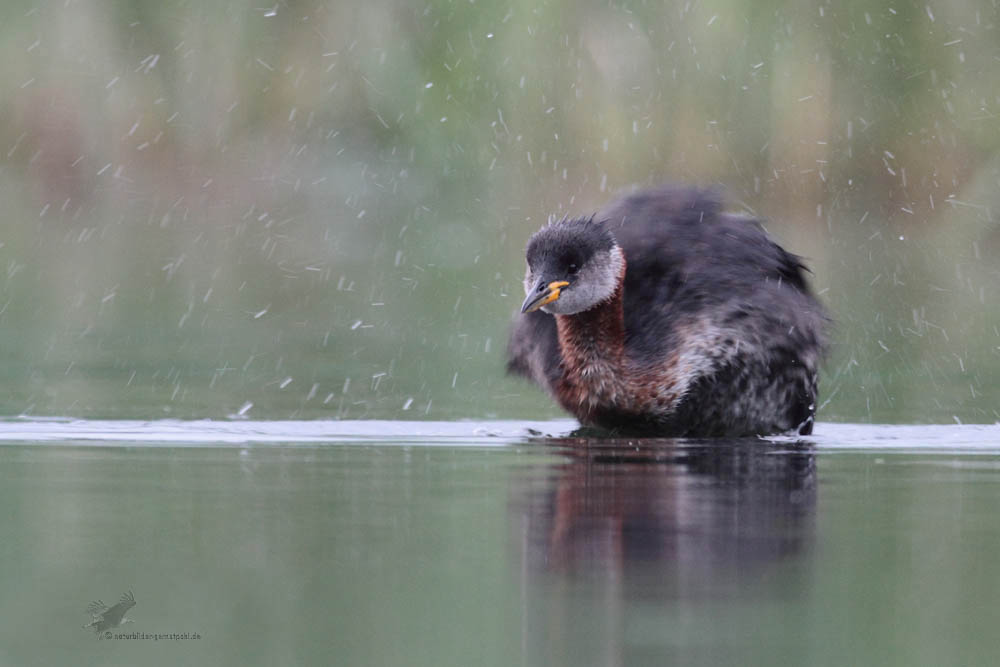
x=318 y=209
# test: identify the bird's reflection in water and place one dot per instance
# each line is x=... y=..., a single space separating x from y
x=656 y=525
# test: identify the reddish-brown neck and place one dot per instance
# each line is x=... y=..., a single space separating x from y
x=596 y=333
x=592 y=346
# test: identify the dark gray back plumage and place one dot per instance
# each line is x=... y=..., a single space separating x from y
x=686 y=258
x=691 y=269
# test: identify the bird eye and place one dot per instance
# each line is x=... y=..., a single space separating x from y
x=572 y=268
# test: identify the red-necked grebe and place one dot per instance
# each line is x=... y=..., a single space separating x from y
x=663 y=315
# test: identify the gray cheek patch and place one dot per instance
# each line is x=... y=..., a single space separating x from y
x=593 y=284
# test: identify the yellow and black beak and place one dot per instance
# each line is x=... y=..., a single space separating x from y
x=542 y=294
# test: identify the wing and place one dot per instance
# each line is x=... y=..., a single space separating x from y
x=685 y=254
x=717 y=283
x=685 y=258
x=96 y=608
x=116 y=613
x=533 y=348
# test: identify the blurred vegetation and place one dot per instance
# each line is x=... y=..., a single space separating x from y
x=318 y=209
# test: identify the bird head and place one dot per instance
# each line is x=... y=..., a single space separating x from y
x=573 y=265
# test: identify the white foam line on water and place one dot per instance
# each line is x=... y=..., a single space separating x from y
x=828 y=436
x=923 y=437
x=205 y=432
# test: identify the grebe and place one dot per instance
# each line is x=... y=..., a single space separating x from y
x=663 y=315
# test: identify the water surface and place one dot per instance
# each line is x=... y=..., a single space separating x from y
x=501 y=543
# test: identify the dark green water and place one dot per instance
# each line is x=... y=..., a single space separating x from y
x=393 y=543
